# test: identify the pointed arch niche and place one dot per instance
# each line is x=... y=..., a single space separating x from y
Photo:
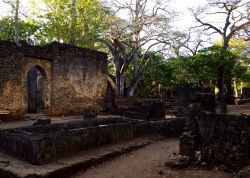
x=37 y=85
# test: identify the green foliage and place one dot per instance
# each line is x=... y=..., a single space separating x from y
x=158 y=76
x=78 y=24
x=200 y=70
x=246 y=78
x=29 y=30
x=6 y=29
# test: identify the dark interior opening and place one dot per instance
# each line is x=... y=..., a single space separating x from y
x=36 y=87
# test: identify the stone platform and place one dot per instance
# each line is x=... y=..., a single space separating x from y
x=13 y=168
x=43 y=144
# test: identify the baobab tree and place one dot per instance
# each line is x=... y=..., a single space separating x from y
x=197 y=41
x=234 y=15
x=183 y=44
x=130 y=38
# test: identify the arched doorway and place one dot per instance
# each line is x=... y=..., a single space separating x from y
x=37 y=88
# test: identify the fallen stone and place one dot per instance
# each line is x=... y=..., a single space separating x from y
x=178 y=162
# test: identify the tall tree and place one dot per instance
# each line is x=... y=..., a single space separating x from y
x=182 y=44
x=15 y=8
x=78 y=22
x=29 y=31
x=130 y=38
x=235 y=17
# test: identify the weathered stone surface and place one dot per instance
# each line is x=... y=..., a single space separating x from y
x=188 y=144
x=42 y=122
x=67 y=167
x=146 y=110
x=220 y=139
x=207 y=100
x=184 y=93
x=245 y=93
x=89 y=115
x=244 y=173
x=42 y=144
x=78 y=77
x=178 y=162
x=221 y=107
x=242 y=101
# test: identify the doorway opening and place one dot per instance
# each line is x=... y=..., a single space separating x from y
x=37 y=88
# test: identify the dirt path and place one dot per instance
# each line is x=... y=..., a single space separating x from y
x=145 y=163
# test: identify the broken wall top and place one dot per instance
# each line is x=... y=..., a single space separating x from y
x=50 y=51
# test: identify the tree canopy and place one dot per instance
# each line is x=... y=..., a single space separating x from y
x=147 y=54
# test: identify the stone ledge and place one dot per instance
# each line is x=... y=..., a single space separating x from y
x=15 y=168
x=49 y=51
x=43 y=144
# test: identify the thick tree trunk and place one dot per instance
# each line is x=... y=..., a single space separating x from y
x=133 y=85
x=120 y=83
x=131 y=90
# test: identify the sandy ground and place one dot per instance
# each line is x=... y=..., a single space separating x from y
x=146 y=163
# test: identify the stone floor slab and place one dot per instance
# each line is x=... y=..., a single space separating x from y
x=13 y=168
x=29 y=121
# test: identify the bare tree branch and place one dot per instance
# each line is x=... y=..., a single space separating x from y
x=236 y=19
x=134 y=37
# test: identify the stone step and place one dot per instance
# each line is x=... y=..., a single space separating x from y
x=11 y=167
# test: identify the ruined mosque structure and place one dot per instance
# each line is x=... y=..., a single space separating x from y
x=57 y=79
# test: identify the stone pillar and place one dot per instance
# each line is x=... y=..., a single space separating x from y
x=190 y=139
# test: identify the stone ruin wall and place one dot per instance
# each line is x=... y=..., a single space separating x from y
x=217 y=140
x=46 y=66
x=61 y=140
x=76 y=78
x=11 y=85
x=79 y=83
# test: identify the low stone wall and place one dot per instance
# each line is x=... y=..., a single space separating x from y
x=242 y=101
x=224 y=140
x=212 y=139
x=146 y=110
x=40 y=145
